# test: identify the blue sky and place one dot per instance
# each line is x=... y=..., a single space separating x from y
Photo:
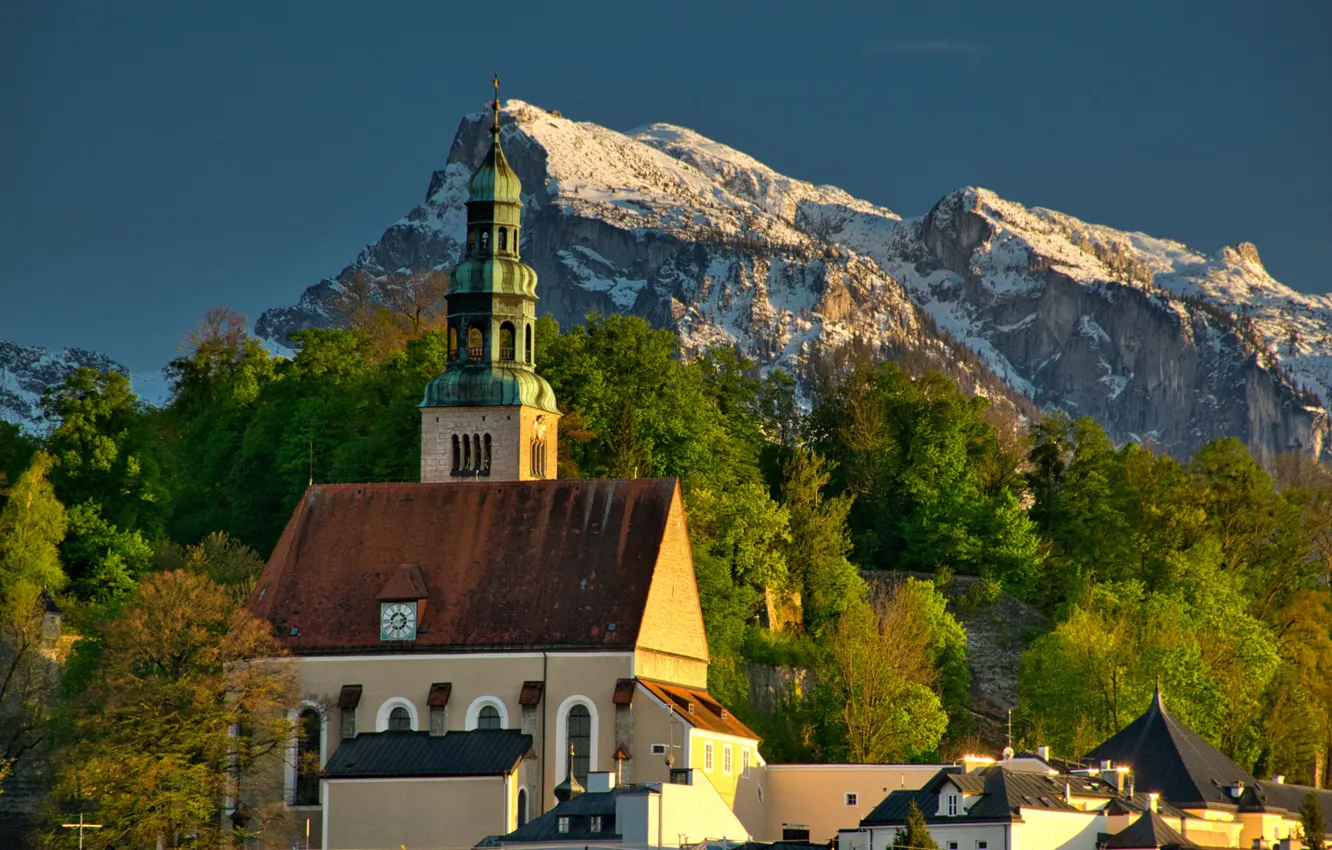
x=157 y=159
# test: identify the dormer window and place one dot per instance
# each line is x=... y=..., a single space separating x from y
x=951 y=804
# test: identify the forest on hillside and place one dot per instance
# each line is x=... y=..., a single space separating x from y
x=1209 y=577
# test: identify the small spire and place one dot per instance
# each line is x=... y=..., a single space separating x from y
x=494 y=128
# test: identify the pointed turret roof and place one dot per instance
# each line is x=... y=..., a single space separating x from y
x=1149 y=831
x=1171 y=758
x=495 y=180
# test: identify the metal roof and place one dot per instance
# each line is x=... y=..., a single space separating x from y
x=480 y=752
x=1149 y=831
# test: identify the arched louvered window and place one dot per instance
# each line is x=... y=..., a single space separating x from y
x=467 y=453
x=457 y=454
x=579 y=735
x=506 y=341
x=485 y=457
x=485 y=241
x=527 y=349
x=503 y=239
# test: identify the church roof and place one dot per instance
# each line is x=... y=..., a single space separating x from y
x=534 y=564
x=1149 y=831
x=480 y=752
x=1171 y=758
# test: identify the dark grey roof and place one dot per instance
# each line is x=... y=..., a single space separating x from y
x=1002 y=793
x=1148 y=831
x=1280 y=795
x=1169 y=757
x=481 y=752
x=579 y=811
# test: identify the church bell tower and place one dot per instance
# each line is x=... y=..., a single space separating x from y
x=489 y=415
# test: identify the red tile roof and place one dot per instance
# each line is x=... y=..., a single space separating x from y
x=505 y=566
x=698 y=709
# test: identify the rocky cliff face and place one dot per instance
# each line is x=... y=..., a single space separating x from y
x=27 y=370
x=1031 y=307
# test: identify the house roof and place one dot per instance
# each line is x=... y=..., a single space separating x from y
x=563 y=563
x=480 y=752
x=1171 y=758
x=1149 y=831
x=579 y=811
x=1288 y=797
x=699 y=709
x=1002 y=794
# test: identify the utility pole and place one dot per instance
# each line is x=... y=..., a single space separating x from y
x=81 y=826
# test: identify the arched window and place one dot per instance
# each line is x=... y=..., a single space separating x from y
x=527 y=349
x=453 y=342
x=399 y=720
x=457 y=454
x=503 y=239
x=478 y=709
x=309 y=731
x=522 y=806
x=579 y=737
x=485 y=457
x=471 y=241
x=476 y=343
x=506 y=341
x=467 y=454
x=489 y=718
x=485 y=241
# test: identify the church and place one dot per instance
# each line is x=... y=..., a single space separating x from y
x=469 y=644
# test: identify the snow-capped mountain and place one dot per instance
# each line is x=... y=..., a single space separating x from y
x=1153 y=339
x=27 y=370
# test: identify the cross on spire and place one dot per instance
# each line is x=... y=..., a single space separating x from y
x=494 y=128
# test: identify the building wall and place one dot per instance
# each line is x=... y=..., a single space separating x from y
x=510 y=428
x=815 y=794
x=1042 y=830
x=677 y=816
x=725 y=781
x=671 y=637
x=966 y=835
x=418 y=813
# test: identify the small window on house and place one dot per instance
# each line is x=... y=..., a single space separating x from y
x=851 y=798
x=952 y=845
x=527 y=349
x=952 y=804
x=563 y=825
x=982 y=845
x=488 y=718
x=522 y=806
x=659 y=749
x=726 y=759
x=795 y=833
x=707 y=756
x=503 y=239
x=400 y=720
x=744 y=762
x=594 y=823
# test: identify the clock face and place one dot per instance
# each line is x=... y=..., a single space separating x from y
x=397 y=621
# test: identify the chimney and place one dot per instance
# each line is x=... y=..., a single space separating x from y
x=1128 y=786
x=1121 y=774
x=1153 y=801
x=1043 y=752
x=601 y=781
x=1106 y=765
x=1068 y=794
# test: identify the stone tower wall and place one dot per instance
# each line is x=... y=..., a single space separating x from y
x=511 y=431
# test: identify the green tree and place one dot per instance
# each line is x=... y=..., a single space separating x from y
x=816 y=554
x=105 y=450
x=1311 y=823
x=152 y=748
x=16 y=451
x=916 y=834
x=32 y=527
x=223 y=559
x=105 y=561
